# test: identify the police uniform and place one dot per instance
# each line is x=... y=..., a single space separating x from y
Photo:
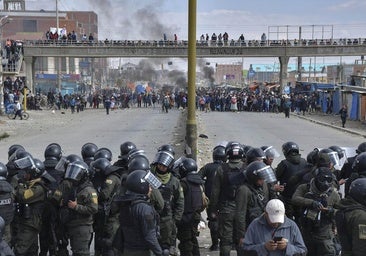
x=351 y=220
x=47 y=237
x=172 y=212
x=317 y=225
x=78 y=221
x=139 y=222
x=223 y=202
x=108 y=220
x=187 y=233
x=6 y=207
x=290 y=172
x=208 y=173
x=250 y=204
x=30 y=198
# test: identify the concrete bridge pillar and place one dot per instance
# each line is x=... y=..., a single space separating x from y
x=283 y=71
x=29 y=71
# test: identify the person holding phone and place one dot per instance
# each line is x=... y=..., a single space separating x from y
x=273 y=233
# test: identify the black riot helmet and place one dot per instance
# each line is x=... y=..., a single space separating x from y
x=164 y=158
x=312 y=157
x=255 y=154
x=100 y=166
x=3 y=171
x=259 y=170
x=218 y=153
x=339 y=150
x=73 y=158
x=290 y=148
x=88 y=151
x=38 y=169
x=357 y=190
x=327 y=156
x=136 y=183
x=359 y=165
x=53 y=152
x=126 y=147
x=14 y=148
x=234 y=151
x=103 y=153
x=167 y=147
x=361 y=148
x=323 y=178
x=138 y=163
x=77 y=172
x=134 y=153
x=188 y=165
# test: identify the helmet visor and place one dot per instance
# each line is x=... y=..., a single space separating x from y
x=74 y=172
x=271 y=152
x=342 y=160
x=164 y=158
x=334 y=159
x=266 y=173
x=25 y=162
x=60 y=166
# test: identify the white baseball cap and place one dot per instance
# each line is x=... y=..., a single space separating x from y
x=276 y=211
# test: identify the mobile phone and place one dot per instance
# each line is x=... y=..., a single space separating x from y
x=277 y=238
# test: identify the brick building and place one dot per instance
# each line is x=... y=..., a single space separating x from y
x=21 y=24
x=229 y=74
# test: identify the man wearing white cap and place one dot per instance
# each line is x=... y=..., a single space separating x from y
x=273 y=233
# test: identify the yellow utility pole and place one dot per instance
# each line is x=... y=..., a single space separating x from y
x=191 y=126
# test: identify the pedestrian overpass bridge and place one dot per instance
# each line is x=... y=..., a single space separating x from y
x=283 y=49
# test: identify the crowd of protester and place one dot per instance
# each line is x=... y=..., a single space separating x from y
x=11 y=54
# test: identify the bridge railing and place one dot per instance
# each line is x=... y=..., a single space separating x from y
x=200 y=43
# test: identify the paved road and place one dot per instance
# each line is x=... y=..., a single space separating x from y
x=257 y=129
x=149 y=128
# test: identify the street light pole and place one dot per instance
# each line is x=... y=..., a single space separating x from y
x=191 y=126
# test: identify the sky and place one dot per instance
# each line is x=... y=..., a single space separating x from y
x=279 y=19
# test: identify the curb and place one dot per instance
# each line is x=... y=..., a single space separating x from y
x=333 y=126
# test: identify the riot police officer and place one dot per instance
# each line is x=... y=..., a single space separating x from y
x=47 y=236
x=122 y=162
x=359 y=170
x=125 y=149
x=208 y=173
x=4 y=246
x=106 y=181
x=172 y=193
x=6 y=203
x=253 y=195
x=347 y=168
x=228 y=178
x=139 y=228
x=351 y=219
x=79 y=203
x=192 y=185
x=30 y=196
x=317 y=200
x=289 y=173
x=88 y=151
x=103 y=153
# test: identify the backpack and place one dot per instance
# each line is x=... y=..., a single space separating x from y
x=232 y=180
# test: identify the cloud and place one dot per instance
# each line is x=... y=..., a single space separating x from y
x=348 y=5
